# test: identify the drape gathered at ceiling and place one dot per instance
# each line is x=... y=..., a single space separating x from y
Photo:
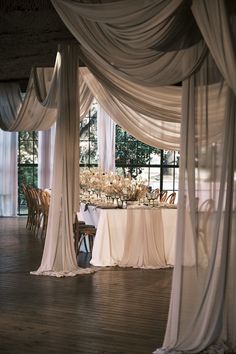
x=32 y=115
x=156 y=43
x=132 y=31
x=37 y=111
x=214 y=24
x=154 y=129
x=161 y=126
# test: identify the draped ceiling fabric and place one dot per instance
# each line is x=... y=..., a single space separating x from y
x=160 y=127
x=155 y=43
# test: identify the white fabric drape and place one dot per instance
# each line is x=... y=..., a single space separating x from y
x=154 y=129
x=59 y=257
x=162 y=103
x=34 y=115
x=132 y=31
x=35 y=112
x=38 y=111
x=46 y=142
x=8 y=173
x=213 y=22
x=106 y=141
x=195 y=317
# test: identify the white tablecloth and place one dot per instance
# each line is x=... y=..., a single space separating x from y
x=141 y=237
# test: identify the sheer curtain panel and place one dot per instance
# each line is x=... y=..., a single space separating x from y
x=46 y=142
x=8 y=173
x=59 y=257
x=106 y=141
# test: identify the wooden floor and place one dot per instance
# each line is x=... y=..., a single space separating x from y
x=113 y=311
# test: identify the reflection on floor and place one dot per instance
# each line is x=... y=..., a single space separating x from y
x=113 y=311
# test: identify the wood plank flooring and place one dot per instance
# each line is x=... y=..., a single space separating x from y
x=113 y=311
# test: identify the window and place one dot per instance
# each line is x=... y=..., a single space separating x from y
x=27 y=165
x=160 y=168
x=88 y=139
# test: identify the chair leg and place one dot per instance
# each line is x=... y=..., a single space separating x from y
x=81 y=239
x=91 y=241
x=85 y=243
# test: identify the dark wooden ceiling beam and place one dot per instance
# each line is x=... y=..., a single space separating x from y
x=30 y=32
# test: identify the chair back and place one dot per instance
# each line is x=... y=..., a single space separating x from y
x=171 y=198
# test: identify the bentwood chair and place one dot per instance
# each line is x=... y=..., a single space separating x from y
x=29 y=221
x=163 y=196
x=171 y=198
x=81 y=232
x=45 y=204
x=34 y=208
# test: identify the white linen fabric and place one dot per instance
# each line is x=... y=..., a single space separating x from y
x=46 y=142
x=126 y=36
x=139 y=238
x=160 y=129
x=106 y=141
x=153 y=43
x=155 y=129
x=144 y=239
x=8 y=173
x=59 y=257
x=213 y=22
x=40 y=107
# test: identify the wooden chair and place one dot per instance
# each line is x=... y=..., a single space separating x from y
x=45 y=204
x=38 y=209
x=33 y=208
x=156 y=193
x=163 y=196
x=86 y=231
x=81 y=231
x=29 y=221
x=171 y=198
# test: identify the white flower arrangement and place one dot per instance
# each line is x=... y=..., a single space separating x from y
x=112 y=185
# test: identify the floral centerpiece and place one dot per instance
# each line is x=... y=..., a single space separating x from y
x=112 y=185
